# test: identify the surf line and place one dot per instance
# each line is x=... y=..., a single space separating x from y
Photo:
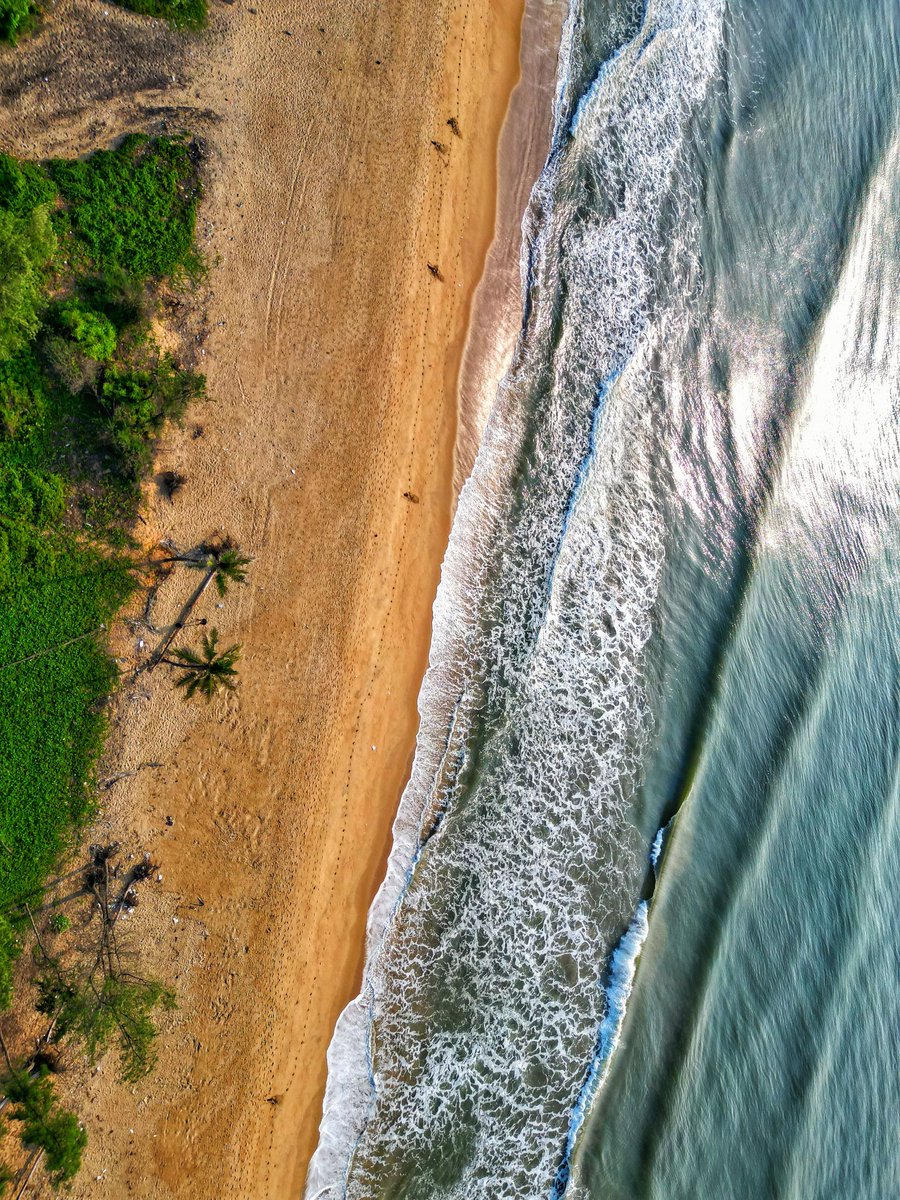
x=622 y=968
x=605 y=387
x=620 y=981
x=606 y=67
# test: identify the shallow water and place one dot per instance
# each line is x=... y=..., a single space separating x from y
x=671 y=598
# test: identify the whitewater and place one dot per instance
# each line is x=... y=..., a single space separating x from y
x=672 y=570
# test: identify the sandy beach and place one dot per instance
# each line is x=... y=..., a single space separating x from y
x=349 y=147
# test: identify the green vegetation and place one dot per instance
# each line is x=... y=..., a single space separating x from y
x=138 y=402
x=46 y=1126
x=93 y=333
x=85 y=249
x=119 y=1010
x=24 y=186
x=26 y=243
x=221 y=561
x=94 y=999
x=181 y=14
x=134 y=208
x=16 y=18
x=84 y=393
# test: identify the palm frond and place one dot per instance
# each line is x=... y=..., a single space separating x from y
x=189 y=657
x=209 y=671
x=231 y=567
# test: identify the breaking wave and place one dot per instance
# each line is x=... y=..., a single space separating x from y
x=460 y=1068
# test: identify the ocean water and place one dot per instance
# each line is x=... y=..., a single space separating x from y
x=639 y=934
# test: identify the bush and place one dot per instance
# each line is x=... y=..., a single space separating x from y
x=92 y=332
x=9 y=952
x=24 y=186
x=52 y=721
x=181 y=14
x=137 y=404
x=59 y=923
x=67 y=364
x=16 y=17
x=23 y=396
x=26 y=243
x=30 y=502
x=134 y=208
x=45 y=1125
x=119 y=1010
x=119 y=297
x=27 y=494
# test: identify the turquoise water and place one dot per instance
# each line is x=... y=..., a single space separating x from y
x=639 y=932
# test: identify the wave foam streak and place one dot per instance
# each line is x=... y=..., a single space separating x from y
x=515 y=868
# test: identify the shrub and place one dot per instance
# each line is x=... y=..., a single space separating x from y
x=51 y=717
x=24 y=186
x=181 y=14
x=92 y=332
x=137 y=404
x=27 y=494
x=26 y=243
x=66 y=363
x=119 y=1010
x=23 y=395
x=119 y=297
x=30 y=501
x=9 y=951
x=134 y=208
x=16 y=16
x=59 y=923
x=45 y=1125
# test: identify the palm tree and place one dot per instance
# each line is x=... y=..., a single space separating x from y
x=224 y=563
x=221 y=561
x=208 y=671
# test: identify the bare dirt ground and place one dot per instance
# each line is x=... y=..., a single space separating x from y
x=326 y=450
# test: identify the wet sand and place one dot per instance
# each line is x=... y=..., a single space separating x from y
x=497 y=307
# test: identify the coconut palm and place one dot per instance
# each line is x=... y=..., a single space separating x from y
x=208 y=671
x=225 y=564
x=221 y=561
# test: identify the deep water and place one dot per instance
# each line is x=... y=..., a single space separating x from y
x=672 y=598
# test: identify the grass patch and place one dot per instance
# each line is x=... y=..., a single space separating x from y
x=134 y=208
x=181 y=14
x=51 y=717
x=19 y=17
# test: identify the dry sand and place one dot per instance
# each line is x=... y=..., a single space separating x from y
x=327 y=451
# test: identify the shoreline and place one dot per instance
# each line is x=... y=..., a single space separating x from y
x=326 y=200
x=493 y=330
x=524 y=144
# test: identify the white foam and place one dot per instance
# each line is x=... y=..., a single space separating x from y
x=623 y=967
x=513 y=858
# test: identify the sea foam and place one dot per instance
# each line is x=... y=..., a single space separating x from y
x=514 y=860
